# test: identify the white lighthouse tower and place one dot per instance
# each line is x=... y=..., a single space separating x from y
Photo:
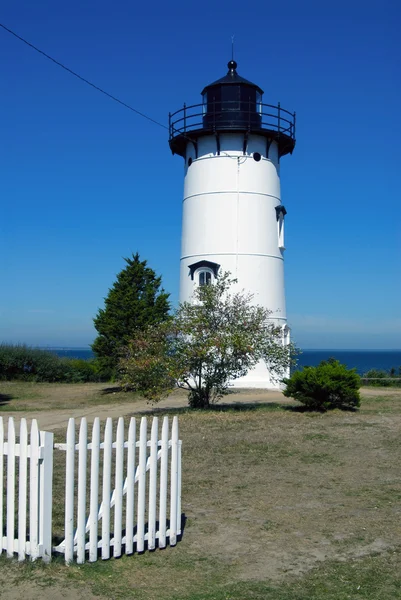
x=233 y=220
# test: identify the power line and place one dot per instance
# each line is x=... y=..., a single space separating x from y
x=138 y=112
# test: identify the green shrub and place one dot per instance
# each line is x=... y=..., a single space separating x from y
x=376 y=374
x=329 y=385
x=79 y=370
x=33 y=364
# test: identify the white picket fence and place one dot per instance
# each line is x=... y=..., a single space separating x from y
x=27 y=491
x=139 y=478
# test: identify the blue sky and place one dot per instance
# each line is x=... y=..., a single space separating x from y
x=85 y=182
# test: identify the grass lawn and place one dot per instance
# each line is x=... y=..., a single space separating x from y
x=279 y=504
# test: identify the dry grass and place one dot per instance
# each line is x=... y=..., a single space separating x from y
x=30 y=396
x=279 y=504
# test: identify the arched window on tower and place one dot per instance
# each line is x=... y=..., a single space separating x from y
x=203 y=272
x=204 y=277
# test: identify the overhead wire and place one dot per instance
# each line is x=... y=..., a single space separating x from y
x=96 y=87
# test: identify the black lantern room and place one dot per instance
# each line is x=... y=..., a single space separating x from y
x=232 y=104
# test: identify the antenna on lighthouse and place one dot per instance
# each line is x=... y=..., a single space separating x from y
x=232 y=47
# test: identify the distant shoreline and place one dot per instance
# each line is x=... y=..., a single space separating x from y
x=361 y=360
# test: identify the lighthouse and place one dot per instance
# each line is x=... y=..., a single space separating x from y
x=233 y=220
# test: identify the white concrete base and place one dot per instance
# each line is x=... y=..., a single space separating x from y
x=259 y=377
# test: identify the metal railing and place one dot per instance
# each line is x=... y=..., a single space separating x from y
x=235 y=115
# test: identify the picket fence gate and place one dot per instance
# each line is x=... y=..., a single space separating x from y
x=33 y=455
x=147 y=487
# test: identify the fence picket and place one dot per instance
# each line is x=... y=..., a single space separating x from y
x=10 y=487
x=130 y=497
x=107 y=456
x=34 y=492
x=1 y=482
x=81 y=512
x=94 y=491
x=174 y=483
x=163 y=484
x=179 y=484
x=69 y=492
x=22 y=489
x=152 y=484
x=46 y=495
x=140 y=535
x=118 y=502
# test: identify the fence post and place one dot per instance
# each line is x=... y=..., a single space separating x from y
x=130 y=500
x=1 y=481
x=179 y=490
x=152 y=485
x=174 y=482
x=45 y=496
x=163 y=484
x=107 y=458
x=69 y=492
x=94 y=483
x=119 y=484
x=22 y=488
x=140 y=535
x=81 y=508
x=10 y=487
x=34 y=492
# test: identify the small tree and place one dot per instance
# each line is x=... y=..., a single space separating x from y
x=209 y=342
x=135 y=301
x=327 y=386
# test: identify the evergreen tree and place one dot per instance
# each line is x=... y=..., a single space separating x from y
x=136 y=301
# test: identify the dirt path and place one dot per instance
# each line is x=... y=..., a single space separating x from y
x=53 y=419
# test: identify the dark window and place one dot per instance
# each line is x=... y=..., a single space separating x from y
x=257 y=156
x=205 y=278
x=189 y=162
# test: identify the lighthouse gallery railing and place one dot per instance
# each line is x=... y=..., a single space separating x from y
x=235 y=115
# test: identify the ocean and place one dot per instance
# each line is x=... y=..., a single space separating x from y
x=361 y=360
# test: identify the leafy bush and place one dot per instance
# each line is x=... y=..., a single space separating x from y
x=376 y=374
x=213 y=339
x=33 y=364
x=79 y=370
x=329 y=385
x=381 y=378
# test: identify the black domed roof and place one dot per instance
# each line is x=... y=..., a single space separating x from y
x=231 y=78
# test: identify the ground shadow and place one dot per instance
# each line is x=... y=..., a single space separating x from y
x=306 y=409
x=58 y=539
x=111 y=390
x=217 y=408
x=4 y=398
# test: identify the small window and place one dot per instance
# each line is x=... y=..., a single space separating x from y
x=205 y=278
x=259 y=102
x=257 y=156
x=204 y=103
x=280 y=226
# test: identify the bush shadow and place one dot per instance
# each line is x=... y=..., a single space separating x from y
x=213 y=408
x=5 y=398
x=111 y=390
x=307 y=409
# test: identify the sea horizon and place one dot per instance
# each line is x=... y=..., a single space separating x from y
x=362 y=360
